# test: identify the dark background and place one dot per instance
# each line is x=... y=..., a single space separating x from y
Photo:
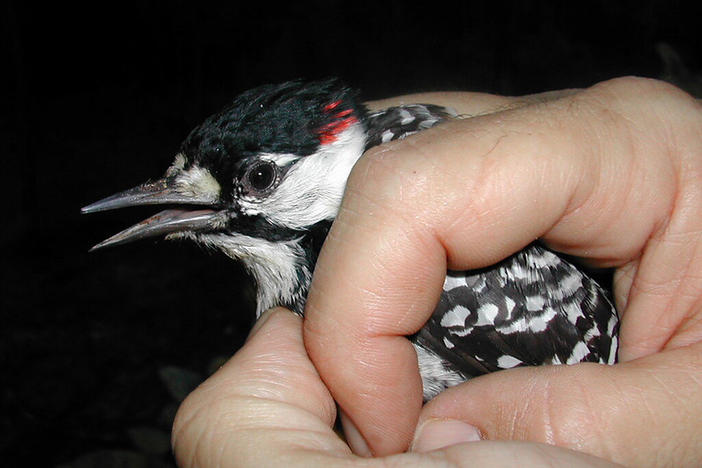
x=97 y=349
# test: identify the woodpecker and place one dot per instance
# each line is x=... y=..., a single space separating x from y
x=262 y=181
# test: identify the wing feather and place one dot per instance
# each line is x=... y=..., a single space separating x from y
x=533 y=308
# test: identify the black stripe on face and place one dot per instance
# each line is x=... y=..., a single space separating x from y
x=258 y=226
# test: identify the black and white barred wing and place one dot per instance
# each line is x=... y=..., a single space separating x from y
x=533 y=308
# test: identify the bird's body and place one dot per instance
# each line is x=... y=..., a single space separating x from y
x=265 y=178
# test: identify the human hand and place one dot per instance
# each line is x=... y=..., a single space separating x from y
x=613 y=174
x=268 y=407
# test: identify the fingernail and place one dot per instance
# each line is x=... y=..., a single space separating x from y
x=435 y=434
x=353 y=437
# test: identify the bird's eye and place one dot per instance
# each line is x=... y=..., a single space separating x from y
x=260 y=177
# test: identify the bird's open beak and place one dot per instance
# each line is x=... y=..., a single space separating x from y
x=160 y=192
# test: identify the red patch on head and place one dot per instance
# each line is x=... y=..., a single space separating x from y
x=331 y=106
x=342 y=120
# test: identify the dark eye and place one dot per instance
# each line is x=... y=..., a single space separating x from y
x=260 y=177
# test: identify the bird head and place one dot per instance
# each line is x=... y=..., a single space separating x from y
x=260 y=180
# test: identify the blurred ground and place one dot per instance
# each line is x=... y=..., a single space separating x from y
x=97 y=349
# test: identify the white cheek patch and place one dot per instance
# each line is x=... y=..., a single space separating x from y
x=198 y=182
x=313 y=188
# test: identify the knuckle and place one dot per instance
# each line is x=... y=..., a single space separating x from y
x=636 y=86
x=640 y=99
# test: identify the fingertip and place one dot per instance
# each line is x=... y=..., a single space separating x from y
x=267 y=316
x=435 y=434
x=381 y=396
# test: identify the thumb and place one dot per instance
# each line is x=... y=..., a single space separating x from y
x=636 y=413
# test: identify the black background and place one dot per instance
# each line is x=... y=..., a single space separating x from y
x=96 y=99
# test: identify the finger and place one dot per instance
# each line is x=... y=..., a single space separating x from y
x=265 y=407
x=502 y=453
x=466 y=194
x=637 y=414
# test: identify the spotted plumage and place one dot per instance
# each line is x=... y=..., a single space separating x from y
x=264 y=179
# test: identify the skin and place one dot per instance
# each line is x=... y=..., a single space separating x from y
x=612 y=174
